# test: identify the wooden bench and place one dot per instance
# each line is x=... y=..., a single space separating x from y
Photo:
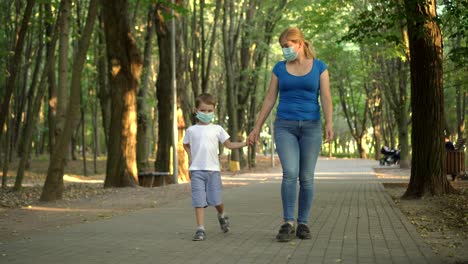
x=154 y=178
x=455 y=160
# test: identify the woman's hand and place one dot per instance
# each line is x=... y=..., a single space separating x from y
x=328 y=133
x=253 y=136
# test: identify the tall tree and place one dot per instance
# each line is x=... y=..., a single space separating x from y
x=231 y=27
x=255 y=48
x=428 y=167
x=63 y=67
x=35 y=101
x=14 y=64
x=382 y=22
x=53 y=186
x=356 y=111
x=103 y=80
x=143 y=120
x=163 y=87
x=165 y=100
x=52 y=110
x=125 y=65
x=455 y=26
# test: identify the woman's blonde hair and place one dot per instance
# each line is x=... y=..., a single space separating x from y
x=295 y=35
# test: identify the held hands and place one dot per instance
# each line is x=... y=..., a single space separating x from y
x=253 y=137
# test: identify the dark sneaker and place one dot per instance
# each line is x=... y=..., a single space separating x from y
x=285 y=233
x=303 y=232
x=224 y=223
x=199 y=235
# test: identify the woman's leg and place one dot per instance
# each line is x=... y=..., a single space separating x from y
x=310 y=142
x=287 y=146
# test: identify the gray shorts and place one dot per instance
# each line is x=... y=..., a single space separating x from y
x=206 y=188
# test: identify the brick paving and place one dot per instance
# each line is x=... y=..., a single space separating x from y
x=353 y=220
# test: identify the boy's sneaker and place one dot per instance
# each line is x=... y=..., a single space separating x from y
x=285 y=233
x=224 y=223
x=303 y=232
x=199 y=235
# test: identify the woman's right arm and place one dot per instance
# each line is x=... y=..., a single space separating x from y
x=268 y=104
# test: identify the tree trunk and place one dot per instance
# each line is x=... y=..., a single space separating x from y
x=402 y=117
x=196 y=58
x=375 y=111
x=206 y=68
x=62 y=87
x=33 y=112
x=14 y=64
x=7 y=149
x=142 y=108
x=83 y=133
x=428 y=176
x=183 y=95
x=356 y=123
x=125 y=66
x=163 y=90
x=96 y=148
x=229 y=41
x=52 y=111
x=53 y=186
x=103 y=82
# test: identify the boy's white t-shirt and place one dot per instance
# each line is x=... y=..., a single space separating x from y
x=203 y=140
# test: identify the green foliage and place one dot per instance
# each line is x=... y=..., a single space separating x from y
x=378 y=22
x=347 y=35
x=455 y=28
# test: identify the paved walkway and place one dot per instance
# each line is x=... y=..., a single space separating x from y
x=352 y=221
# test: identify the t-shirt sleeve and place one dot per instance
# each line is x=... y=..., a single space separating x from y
x=222 y=134
x=277 y=68
x=321 y=66
x=187 y=137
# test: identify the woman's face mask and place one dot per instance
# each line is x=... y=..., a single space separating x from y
x=205 y=117
x=289 y=54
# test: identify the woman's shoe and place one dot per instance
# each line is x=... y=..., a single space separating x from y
x=285 y=233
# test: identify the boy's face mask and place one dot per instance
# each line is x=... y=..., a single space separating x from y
x=205 y=117
x=289 y=54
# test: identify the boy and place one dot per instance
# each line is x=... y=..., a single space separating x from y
x=201 y=144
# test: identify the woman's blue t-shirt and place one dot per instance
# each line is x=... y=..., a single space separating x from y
x=298 y=95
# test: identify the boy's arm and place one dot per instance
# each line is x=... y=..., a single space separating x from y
x=234 y=145
x=189 y=153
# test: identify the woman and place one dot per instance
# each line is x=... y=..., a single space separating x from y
x=299 y=81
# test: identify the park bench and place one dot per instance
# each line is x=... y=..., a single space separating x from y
x=154 y=178
x=455 y=160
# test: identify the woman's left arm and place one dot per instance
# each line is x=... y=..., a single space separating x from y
x=325 y=99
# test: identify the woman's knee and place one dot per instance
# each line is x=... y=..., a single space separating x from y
x=290 y=175
x=307 y=181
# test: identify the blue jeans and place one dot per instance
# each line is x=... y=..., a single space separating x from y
x=298 y=145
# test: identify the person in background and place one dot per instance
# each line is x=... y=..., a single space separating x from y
x=299 y=81
x=449 y=144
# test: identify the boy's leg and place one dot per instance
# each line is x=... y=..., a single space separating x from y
x=223 y=219
x=200 y=216
x=220 y=209
x=214 y=197
x=198 y=182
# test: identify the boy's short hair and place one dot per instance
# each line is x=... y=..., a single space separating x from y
x=205 y=98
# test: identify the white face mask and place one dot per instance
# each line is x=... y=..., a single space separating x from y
x=289 y=54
